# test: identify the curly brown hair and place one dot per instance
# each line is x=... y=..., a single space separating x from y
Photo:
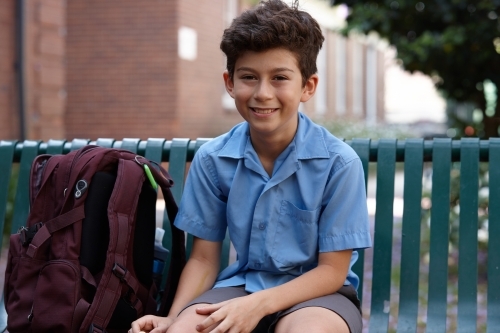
x=274 y=24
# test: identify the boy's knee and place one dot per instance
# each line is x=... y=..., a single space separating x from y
x=182 y=326
x=186 y=321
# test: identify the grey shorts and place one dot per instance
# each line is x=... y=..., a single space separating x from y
x=344 y=302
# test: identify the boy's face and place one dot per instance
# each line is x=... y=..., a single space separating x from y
x=267 y=89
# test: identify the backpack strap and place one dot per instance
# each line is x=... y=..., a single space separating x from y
x=121 y=212
x=56 y=224
x=178 y=254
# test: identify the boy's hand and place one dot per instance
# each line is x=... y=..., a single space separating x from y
x=240 y=314
x=151 y=324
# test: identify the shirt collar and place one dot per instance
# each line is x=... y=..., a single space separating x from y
x=309 y=141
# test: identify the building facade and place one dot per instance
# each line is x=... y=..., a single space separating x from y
x=138 y=69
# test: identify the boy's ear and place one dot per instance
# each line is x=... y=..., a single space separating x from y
x=228 y=82
x=309 y=88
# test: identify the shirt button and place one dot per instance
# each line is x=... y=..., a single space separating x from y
x=262 y=226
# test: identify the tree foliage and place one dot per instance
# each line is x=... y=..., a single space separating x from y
x=457 y=42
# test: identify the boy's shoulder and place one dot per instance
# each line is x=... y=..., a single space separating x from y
x=231 y=142
x=318 y=138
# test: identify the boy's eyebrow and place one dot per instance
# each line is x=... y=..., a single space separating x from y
x=279 y=69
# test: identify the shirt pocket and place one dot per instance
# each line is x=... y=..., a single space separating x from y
x=296 y=240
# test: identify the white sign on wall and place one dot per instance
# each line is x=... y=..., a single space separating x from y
x=187 y=43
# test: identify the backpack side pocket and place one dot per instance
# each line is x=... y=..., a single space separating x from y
x=57 y=295
x=21 y=277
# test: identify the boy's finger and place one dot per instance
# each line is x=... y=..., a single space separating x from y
x=208 y=309
x=205 y=310
x=209 y=321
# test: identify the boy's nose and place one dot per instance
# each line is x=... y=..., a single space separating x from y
x=263 y=91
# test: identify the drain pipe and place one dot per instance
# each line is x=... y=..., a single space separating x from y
x=21 y=66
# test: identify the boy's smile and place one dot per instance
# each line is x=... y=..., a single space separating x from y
x=267 y=89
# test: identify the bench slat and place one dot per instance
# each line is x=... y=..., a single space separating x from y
x=177 y=166
x=467 y=238
x=410 y=240
x=21 y=201
x=177 y=170
x=55 y=147
x=362 y=148
x=7 y=154
x=105 y=142
x=382 y=251
x=493 y=300
x=154 y=149
x=129 y=144
x=439 y=238
x=154 y=152
x=78 y=143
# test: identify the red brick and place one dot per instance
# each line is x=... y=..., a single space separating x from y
x=9 y=128
x=51 y=44
x=51 y=15
x=51 y=104
x=52 y=76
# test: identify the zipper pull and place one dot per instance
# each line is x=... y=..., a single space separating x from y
x=150 y=177
x=30 y=316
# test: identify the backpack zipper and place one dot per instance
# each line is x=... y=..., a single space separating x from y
x=30 y=316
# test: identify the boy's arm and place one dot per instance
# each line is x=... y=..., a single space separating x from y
x=198 y=275
x=325 y=279
x=328 y=277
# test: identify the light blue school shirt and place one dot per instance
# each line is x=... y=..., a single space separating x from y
x=314 y=202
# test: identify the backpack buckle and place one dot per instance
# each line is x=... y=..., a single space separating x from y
x=131 y=298
x=26 y=235
x=96 y=329
x=119 y=271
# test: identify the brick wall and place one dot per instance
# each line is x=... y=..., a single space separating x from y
x=201 y=86
x=9 y=128
x=112 y=69
x=122 y=69
x=45 y=78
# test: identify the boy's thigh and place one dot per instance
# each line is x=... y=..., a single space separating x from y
x=188 y=318
x=312 y=319
x=331 y=313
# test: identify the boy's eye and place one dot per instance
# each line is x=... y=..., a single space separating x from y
x=248 y=77
x=280 y=78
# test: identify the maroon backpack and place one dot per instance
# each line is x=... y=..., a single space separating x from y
x=83 y=262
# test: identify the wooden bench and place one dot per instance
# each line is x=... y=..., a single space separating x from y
x=406 y=292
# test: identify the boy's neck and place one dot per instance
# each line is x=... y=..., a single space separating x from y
x=268 y=148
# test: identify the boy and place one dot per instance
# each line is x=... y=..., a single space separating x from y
x=291 y=195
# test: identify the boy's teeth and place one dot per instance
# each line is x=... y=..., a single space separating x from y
x=263 y=110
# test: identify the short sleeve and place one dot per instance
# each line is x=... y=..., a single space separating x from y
x=202 y=210
x=344 y=222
